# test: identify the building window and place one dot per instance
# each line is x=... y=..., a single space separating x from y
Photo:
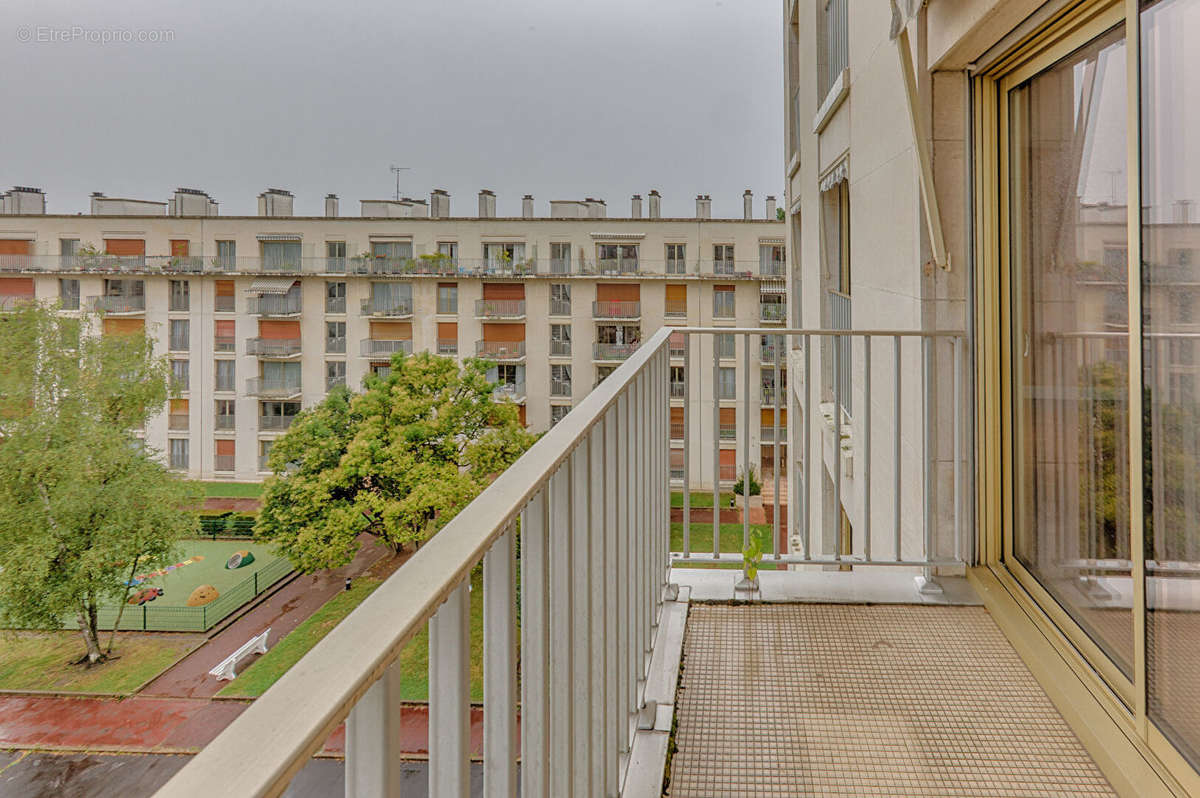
x=724 y=306
x=727 y=382
x=677 y=380
x=676 y=258
x=180 y=300
x=68 y=248
x=227 y=255
x=447 y=298
x=178 y=453
x=449 y=249
x=335 y=296
x=335 y=374
x=226 y=410
x=771 y=259
x=835 y=219
x=181 y=375
x=68 y=294
x=381 y=370
x=560 y=299
x=225 y=371
x=834 y=33
x=264 y=453
x=726 y=346
x=560 y=339
x=560 y=257
x=180 y=333
x=281 y=256
x=560 y=380
x=335 y=259
x=558 y=413
x=617 y=258
x=503 y=257
x=722 y=258
x=603 y=372
x=335 y=336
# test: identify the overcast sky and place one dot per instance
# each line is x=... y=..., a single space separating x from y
x=557 y=98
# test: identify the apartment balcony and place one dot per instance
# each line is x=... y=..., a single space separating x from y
x=830 y=679
x=678 y=390
x=263 y=468
x=119 y=305
x=675 y=309
x=560 y=348
x=772 y=268
x=616 y=311
x=772 y=312
x=277 y=305
x=335 y=345
x=335 y=304
x=513 y=391
x=224 y=343
x=224 y=462
x=177 y=421
x=767 y=435
x=275 y=423
x=560 y=307
x=447 y=347
x=560 y=389
x=500 y=309
x=387 y=308
x=334 y=382
x=744 y=269
x=272 y=388
x=274 y=348
x=225 y=422
x=504 y=351
x=225 y=304
x=612 y=352
x=384 y=348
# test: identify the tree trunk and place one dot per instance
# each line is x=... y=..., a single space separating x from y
x=121 y=606
x=87 y=628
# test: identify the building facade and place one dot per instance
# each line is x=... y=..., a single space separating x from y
x=1023 y=175
x=260 y=316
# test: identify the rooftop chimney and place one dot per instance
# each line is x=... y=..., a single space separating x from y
x=771 y=212
x=331 y=205
x=24 y=200
x=275 y=202
x=487 y=204
x=596 y=209
x=191 y=202
x=655 y=204
x=635 y=210
x=748 y=205
x=703 y=206
x=439 y=203
x=527 y=206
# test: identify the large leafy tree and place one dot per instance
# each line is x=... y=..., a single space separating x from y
x=398 y=460
x=83 y=506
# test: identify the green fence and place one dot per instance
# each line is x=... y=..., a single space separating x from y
x=151 y=617
x=220 y=526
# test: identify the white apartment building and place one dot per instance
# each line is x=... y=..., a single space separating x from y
x=262 y=315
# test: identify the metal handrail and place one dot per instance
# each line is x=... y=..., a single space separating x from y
x=265 y=746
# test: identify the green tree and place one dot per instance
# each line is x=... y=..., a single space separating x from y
x=398 y=460
x=83 y=506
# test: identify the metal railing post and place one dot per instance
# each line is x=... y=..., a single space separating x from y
x=535 y=648
x=561 y=622
x=612 y=629
x=777 y=530
x=809 y=420
x=449 y=696
x=837 y=446
x=373 y=749
x=896 y=375
x=579 y=640
x=926 y=583
x=866 y=456
x=956 y=342
x=745 y=414
x=596 y=574
x=716 y=451
x=500 y=668
x=687 y=448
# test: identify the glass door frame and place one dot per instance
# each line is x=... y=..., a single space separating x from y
x=1123 y=698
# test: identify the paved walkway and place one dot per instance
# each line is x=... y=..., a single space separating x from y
x=849 y=700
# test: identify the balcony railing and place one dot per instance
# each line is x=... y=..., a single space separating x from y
x=335 y=304
x=559 y=348
x=274 y=305
x=177 y=421
x=333 y=382
x=275 y=423
x=511 y=390
x=613 y=351
x=225 y=421
x=771 y=268
x=616 y=310
x=576 y=719
x=838 y=355
x=380 y=347
x=272 y=388
x=447 y=346
x=677 y=390
x=560 y=388
x=224 y=343
x=225 y=304
x=500 y=350
x=262 y=463
x=273 y=347
x=389 y=308
x=499 y=308
x=767 y=434
x=335 y=345
x=772 y=312
x=560 y=307
x=675 y=308
x=119 y=304
x=224 y=462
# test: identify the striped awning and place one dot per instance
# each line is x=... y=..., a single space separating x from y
x=278 y=236
x=618 y=236
x=772 y=287
x=834 y=176
x=903 y=12
x=271 y=285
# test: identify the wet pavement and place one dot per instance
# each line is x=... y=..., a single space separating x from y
x=44 y=775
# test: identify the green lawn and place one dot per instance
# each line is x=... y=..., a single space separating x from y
x=414 y=660
x=267 y=669
x=731 y=542
x=700 y=499
x=42 y=661
x=210 y=569
x=232 y=490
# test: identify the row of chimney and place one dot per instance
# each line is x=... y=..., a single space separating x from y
x=277 y=202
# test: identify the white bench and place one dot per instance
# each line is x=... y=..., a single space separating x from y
x=255 y=645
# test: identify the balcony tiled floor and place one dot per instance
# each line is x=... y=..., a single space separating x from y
x=840 y=700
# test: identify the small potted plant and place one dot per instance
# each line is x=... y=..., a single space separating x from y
x=755 y=491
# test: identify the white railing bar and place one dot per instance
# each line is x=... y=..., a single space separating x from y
x=745 y=441
x=596 y=573
x=716 y=450
x=958 y=413
x=817 y=331
x=687 y=448
x=927 y=451
x=449 y=696
x=777 y=526
x=677 y=559
x=898 y=377
x=837 y=447
x=612 y=655
x=535 y=648
x=629 y=638
x=500 y=668
x=373 y=734
x=809 y=409
x=867 y=412
x=579 y=639
x=561 y=703
x=293 y=719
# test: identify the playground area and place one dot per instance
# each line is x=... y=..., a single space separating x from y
x=199 y=589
